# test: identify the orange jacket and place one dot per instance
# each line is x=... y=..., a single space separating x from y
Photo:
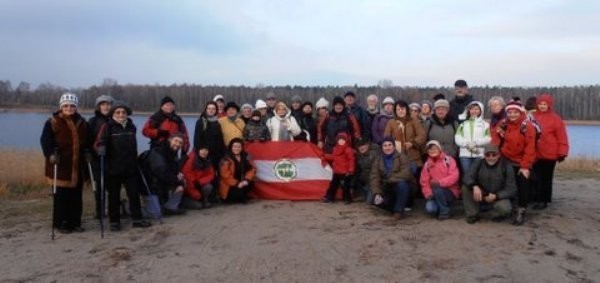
x=172 y=124
x=195 y=176
x=553 y=142
x=227 y=176
x=516 y=146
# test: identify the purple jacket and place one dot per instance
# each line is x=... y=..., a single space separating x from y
x=378 y=126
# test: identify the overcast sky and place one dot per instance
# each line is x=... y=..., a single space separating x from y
x=77 y=43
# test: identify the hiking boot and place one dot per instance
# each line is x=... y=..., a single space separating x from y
x=519 y=217
x=141 y=224
x=115 y=227
x=472 y=219
x=398 y=215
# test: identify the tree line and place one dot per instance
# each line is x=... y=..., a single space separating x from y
x=571 y=102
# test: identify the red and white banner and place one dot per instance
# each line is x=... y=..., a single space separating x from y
x=289 y=170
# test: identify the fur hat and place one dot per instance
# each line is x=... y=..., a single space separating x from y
x=166 y=100
x=322 y=102
x=260 y=104
x=441 y=103
x=339 y=100
x=68 y=98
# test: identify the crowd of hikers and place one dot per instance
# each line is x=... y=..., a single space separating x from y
x=386 y=155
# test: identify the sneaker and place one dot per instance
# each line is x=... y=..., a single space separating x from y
x=407 y=209
x=141 y=224
x=472 y=219
x=115 y=227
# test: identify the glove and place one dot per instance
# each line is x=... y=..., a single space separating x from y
x=163 y=133
x=378 y=199
x=561 y=158
x=101 y=150
x=54 y=159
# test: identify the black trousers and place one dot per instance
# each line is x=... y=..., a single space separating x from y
x=68 y=206
x=236 y=194
x=523 y=187
x=544 y=171
x=335 y=183
x=130 y=182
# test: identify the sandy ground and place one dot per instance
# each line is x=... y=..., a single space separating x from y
x=283 y=241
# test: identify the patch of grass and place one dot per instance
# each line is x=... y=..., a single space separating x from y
x=579 y=164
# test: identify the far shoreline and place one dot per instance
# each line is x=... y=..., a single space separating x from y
x=25 y=109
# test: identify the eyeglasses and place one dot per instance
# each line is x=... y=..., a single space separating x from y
x=491 y=154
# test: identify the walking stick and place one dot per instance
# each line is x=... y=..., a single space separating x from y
x=54 y=187
x=102 y=196
x=89 y=164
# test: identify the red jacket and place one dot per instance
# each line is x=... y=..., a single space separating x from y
x=196 y=177
x=342 y=157
x=444 y=170
x=553 y=142
x=172 y=124
x=516 y=146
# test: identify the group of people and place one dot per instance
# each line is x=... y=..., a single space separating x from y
x=387 y=154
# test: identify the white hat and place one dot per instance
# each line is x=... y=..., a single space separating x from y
x=218 y=96
x=322 y=102
x=388 y=100
x=433 y=142
x=260 y=104
x=246 y=105
x=68 y=98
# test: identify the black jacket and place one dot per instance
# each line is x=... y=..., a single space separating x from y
x=164 y=166
x=121 y=147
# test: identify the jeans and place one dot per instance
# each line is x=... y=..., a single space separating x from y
x=465 y=164
x=440 y=203
x=397 y=196
x=174 y=200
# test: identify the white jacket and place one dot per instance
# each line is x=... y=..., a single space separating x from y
x=273 y=124
x=472 y=135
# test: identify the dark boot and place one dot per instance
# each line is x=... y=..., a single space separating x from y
x=519 y=217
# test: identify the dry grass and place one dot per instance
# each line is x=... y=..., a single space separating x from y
x=22 y=174
x=579 y=164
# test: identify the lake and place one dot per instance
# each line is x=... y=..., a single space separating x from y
x=22 y=130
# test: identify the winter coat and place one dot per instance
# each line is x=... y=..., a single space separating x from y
x=121 y=147
x=274 y=126
x=231 y=129
x=308 y=124
x=256 y=131
x=363 y=119
x=444 y=170
x=232 y=172
x=498 y=179
x=457 y=107
x=516 y=145
x=475 y=131
x=495 y=123
x=553 y=142
x=164 y=166
x=407 y=130
x=160 y=126
x=94 y=125
x=443 y=132
x=342 y=159
x=334 y=124
x=69 y=136
x=197 y=173
x=378 y=127
x=364 y=162
x=400 y=171
x=208 y=133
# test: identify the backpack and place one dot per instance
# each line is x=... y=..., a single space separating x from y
x=523 y=128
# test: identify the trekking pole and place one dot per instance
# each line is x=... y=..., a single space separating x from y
x=54 y=178
x=102 y=196
x=89 y=165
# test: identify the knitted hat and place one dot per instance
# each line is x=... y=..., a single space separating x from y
x=339 y=100
x=460 y=83
x=260 y=104
x=415 y=105
x=232 y=104
x=120 y=104
x=166 y=100
x=322 y=102
x=256 y=113
x=104 y=98
x=433 y=142
x=441 y=103
x=438 y=97
x=389 y=139
x=296 y=98
x=426 y=102
x=514 y=105
x=349 y=93
x=68 y=98
x=246 y=105
x=271 y=95
x=219 y=97
x=388 y=100
x=490 y=148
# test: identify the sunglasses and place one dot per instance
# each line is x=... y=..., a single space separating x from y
x=491 y=154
